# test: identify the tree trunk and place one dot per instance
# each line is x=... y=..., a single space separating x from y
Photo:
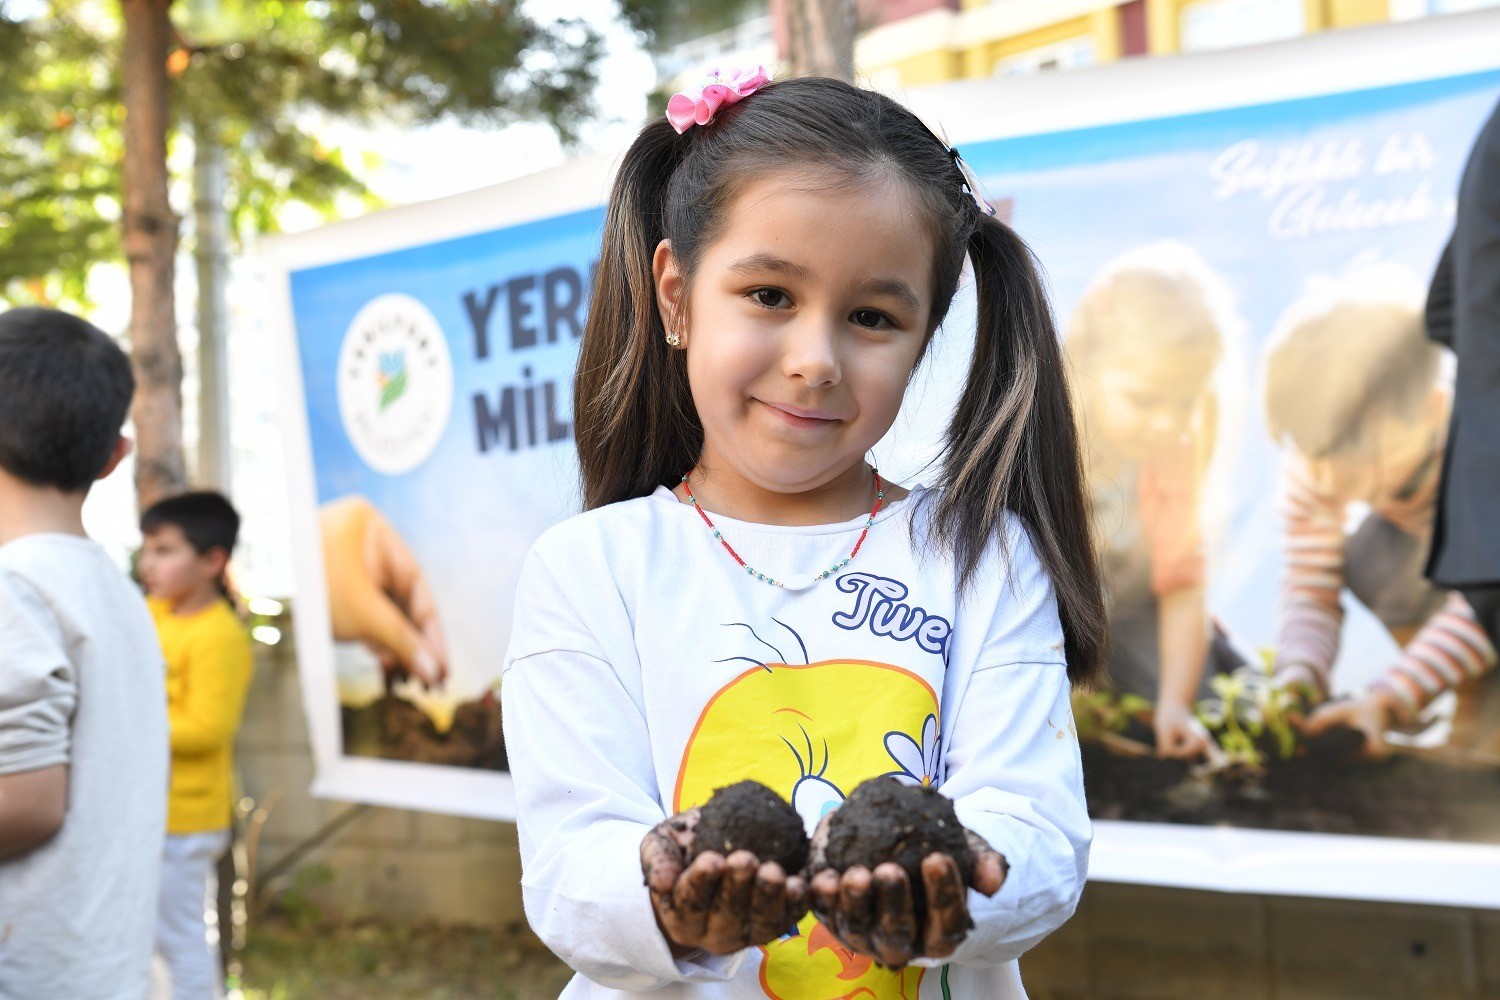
x=150 y=239
x=820 y=36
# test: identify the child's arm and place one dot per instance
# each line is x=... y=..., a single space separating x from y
x=1450 y=649
x=1170 y=502
x=1311 y=615
x=38 y=694
x=1182 y=624
x=1012 y=762
x=32 y=807
x=207 y=715
x=586 y=791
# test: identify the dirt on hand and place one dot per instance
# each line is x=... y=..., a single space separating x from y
x=748 y=816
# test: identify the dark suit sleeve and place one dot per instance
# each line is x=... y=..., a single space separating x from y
x=1440 y=300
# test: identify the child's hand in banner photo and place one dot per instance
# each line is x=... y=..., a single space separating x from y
x=378 y=595
x=1372 y=714
x=1179 y=734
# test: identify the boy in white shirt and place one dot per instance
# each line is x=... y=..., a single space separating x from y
x=83 y=728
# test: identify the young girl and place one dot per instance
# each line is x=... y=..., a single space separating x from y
x=1356 y=397
x=1145 y=341
x=747 y=598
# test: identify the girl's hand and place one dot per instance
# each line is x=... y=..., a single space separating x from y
x=875 y=912
x=1371 y=714
x=1179 y=734
x=716 y=904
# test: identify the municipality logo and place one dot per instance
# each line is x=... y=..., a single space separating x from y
x=395 y=383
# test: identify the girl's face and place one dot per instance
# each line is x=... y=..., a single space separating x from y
x=1389 y=448
x=1145 y=407
x=804 y=323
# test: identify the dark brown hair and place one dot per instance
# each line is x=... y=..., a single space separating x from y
x=1011 y=445
x=206 y=519
x=65 y=389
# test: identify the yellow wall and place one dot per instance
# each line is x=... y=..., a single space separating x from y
x=1106 y=31
x=980 y=60
x=1324 y=14
x=1164 y=18
x=1163 y=25
x=930 y=67
x=1163 y=30
x=1344 y=13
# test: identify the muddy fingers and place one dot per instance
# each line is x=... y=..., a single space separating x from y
x=824 y=895
x=729 y=915
x=948 y=920
x=895 y=935
x=768 y=904
x=990 y=866
x=855 y=917
x=693 y=897
x=797 y=901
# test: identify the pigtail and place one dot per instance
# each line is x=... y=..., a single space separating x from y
x=1013 y=445
x=633 y=414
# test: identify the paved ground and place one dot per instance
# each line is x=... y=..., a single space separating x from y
x=368 y=961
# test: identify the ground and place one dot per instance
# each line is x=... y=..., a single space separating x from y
x=284 y=960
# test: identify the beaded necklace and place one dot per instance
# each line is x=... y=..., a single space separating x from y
x=879 y=501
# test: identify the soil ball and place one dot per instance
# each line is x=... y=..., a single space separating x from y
x=748 y=816
x=886 y=820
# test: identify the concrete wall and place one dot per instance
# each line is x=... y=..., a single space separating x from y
x=1126 y=941
x=392 y=862
x=1166 y=944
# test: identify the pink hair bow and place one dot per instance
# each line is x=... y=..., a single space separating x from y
x=689 y=107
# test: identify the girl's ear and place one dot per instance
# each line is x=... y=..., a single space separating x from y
x=670 y=285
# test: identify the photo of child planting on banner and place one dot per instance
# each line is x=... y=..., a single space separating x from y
x=1279 y=661
x=1147 y=340
x=437 y=403
x=1366 y=427
x=378 y=596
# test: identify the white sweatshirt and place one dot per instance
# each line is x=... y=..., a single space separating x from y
x=647 y=669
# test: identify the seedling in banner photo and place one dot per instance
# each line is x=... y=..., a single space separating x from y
x=1098 y=714
x=1251 y=717
x=1265 y=773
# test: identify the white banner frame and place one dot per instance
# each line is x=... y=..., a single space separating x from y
x=1208 y=858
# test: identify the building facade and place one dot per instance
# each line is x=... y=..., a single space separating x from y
x=913 y=43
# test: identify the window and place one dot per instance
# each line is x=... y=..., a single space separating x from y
x=1458 y=6
x=1070 y=54
x=1222 y=24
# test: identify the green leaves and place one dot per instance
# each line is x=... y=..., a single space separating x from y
x=59 y=171
x=393 y=390
x=260 y=78
x=1251 y=715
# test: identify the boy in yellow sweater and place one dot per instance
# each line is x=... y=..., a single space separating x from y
x=188 y=540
